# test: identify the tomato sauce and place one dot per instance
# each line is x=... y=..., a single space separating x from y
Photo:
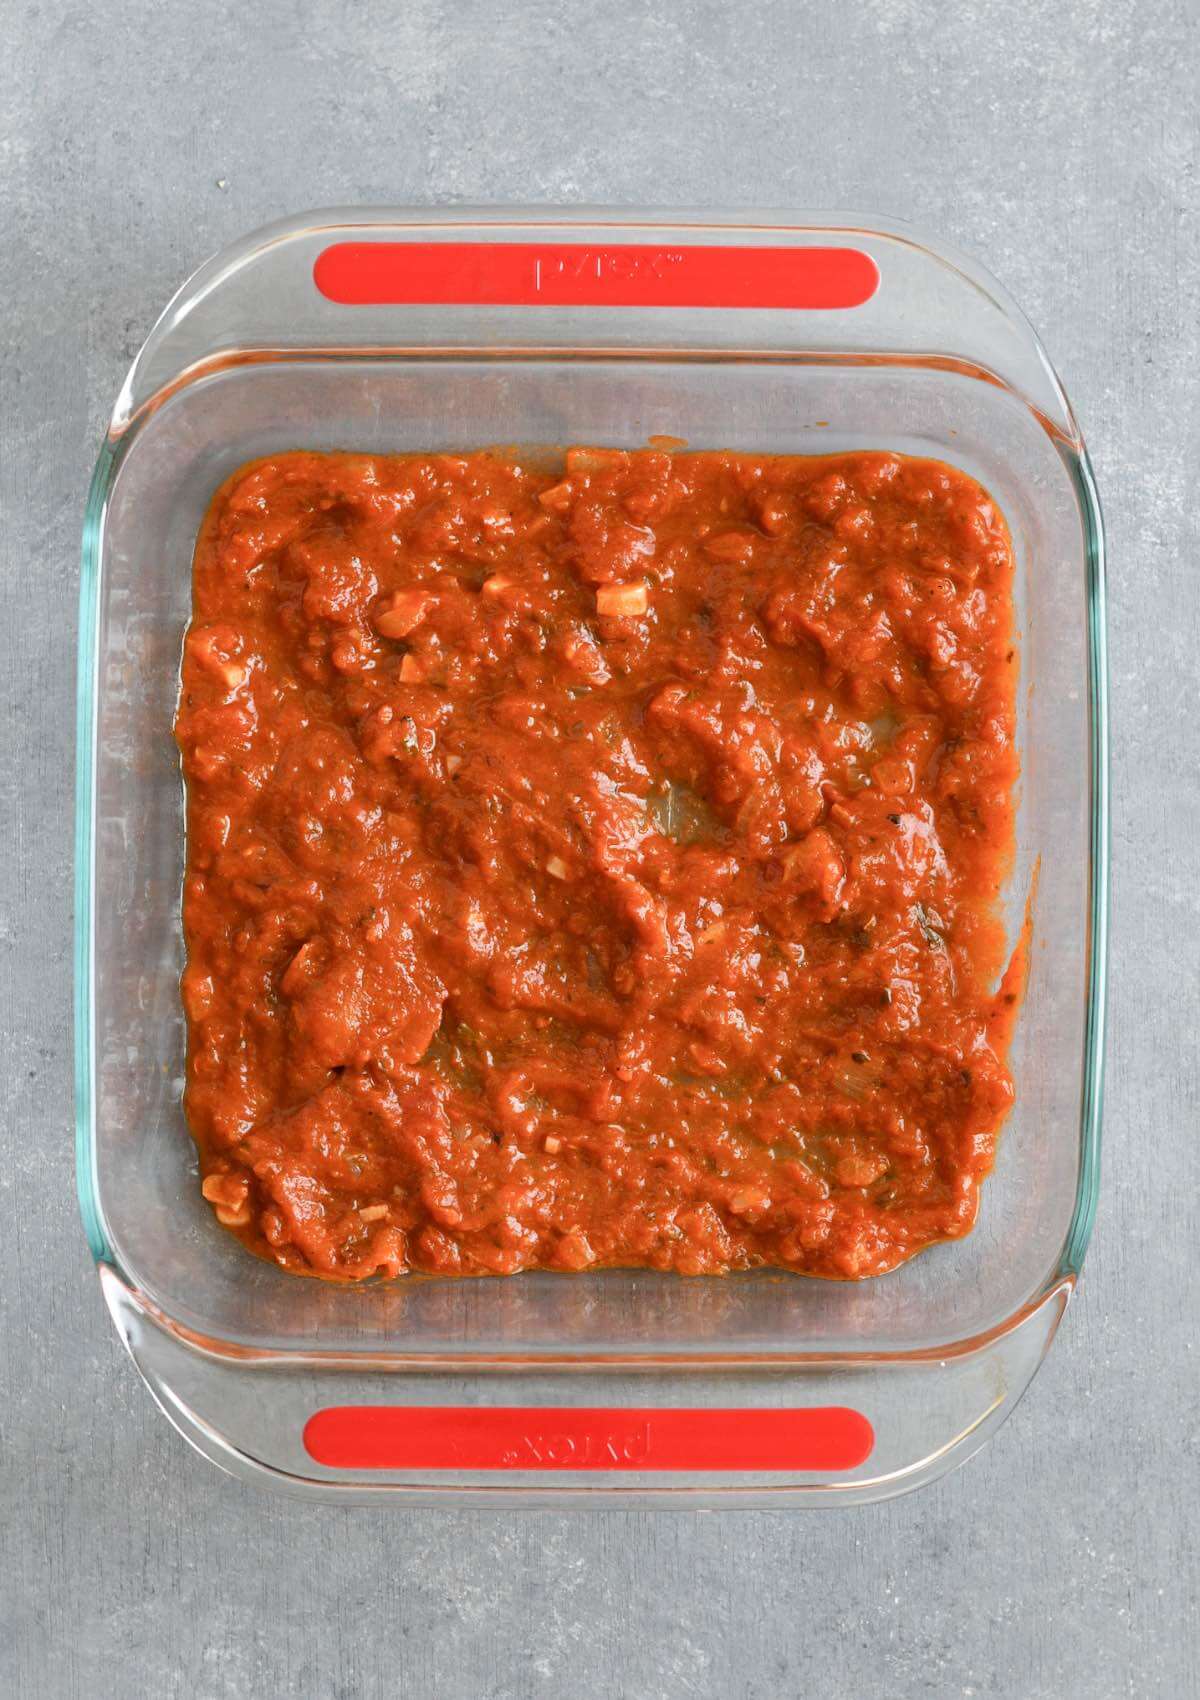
x=598 y=866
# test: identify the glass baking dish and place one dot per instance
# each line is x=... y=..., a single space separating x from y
x=395 y=330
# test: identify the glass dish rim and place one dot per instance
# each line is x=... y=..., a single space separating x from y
x=123 y=431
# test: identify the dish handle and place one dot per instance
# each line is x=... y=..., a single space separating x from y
x=596 y=1433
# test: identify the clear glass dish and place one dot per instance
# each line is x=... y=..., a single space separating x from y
x=424 y=330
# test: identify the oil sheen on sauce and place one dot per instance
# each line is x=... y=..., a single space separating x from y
x=598 y=866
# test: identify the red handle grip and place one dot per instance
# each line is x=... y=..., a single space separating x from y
x=577 y=274
x=490 y=1437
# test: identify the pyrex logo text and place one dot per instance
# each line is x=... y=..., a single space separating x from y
x=549 y=1448
x=555 y=271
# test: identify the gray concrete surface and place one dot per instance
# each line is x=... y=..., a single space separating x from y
x=1059 y=144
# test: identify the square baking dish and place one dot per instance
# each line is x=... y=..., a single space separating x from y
x=393 y=331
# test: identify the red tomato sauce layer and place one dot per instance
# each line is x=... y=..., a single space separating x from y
x=598 y=867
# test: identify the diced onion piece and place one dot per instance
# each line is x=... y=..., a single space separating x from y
x=573 y=1251
x=412 y=669
x=346 y=655
x=404 y=612
x=373 y=1212
x=749 y=1201
x=621 y=601
x=552 y=1145
x=453 y=763
x=556 y=866
x=198 y=993
x=295 y=976
x=860 y=1169
x=557 y=497
x=594 y=460
x=581 y=653
x=226 y=1190
x=207 y=649
x=229 y=1196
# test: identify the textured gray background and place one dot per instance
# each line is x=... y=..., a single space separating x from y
x=1058 y=142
